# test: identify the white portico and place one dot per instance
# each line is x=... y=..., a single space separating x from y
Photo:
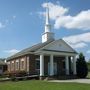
x=57 y=52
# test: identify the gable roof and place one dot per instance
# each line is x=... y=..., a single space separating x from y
x=58 y=46
x=29 y=50
x=40 y=46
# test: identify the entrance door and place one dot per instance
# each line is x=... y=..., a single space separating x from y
x=55 y=68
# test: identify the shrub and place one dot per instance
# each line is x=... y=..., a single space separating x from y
x=20 y=73
x=6 y=74
x=15 y=73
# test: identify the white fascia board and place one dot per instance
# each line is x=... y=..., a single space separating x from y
x=56 y=53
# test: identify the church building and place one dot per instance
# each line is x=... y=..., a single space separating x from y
x=47 y=59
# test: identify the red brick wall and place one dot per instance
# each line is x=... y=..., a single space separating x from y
x=29 y=64
x=32 y=64
x=14 y=68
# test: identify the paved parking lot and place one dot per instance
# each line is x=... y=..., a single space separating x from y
x=73 y=80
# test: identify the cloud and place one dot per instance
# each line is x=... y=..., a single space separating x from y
x=88 y=52
x=11 y=52
x=2 y=25
x=62 y=21
x=78 y=41
x=55 y=10
x=85 y=37
x=30 y=13
x=78 y=45
x=7 y=22
x=80 y=21
x=61 y=17
x=14 y=17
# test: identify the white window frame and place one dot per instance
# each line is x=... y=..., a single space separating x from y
x=17 y=64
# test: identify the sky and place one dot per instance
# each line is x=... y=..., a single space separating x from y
x=22 y=24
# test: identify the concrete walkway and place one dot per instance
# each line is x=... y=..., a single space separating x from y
x=73 y=80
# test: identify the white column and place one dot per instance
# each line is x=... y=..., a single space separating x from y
x=41 y=65
x=74 y=65
x=51 y=66
x=67 y=65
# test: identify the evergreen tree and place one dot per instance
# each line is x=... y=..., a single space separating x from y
x=82 y=69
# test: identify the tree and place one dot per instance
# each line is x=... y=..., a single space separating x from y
x=81 y=66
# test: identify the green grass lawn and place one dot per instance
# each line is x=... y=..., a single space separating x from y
x=42 y=85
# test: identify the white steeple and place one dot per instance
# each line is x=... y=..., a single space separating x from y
x=47 y=24
x=48 y=35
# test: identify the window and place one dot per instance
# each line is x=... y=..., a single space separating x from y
x=22 y=64
x=37 y=64
x=17 y=65
x=12 y=65
x=63 y=64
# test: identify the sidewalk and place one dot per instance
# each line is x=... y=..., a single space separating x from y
x=73 y=80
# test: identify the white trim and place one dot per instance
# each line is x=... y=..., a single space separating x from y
x=17 y=60
x=55 y=42
x=56 y=53
x=51 y=66
x=17 y=65
x=41 y=65
x=22 y=59
x=22 y=67
x=12 y=61
x=74 y=65
x=67 y=65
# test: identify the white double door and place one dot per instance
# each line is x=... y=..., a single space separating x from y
x=55 y=68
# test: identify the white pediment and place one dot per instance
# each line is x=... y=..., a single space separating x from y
x=59 y=45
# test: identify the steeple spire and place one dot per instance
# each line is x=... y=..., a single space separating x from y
x=47 y=15
x=48 y=35
x=47 y=24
